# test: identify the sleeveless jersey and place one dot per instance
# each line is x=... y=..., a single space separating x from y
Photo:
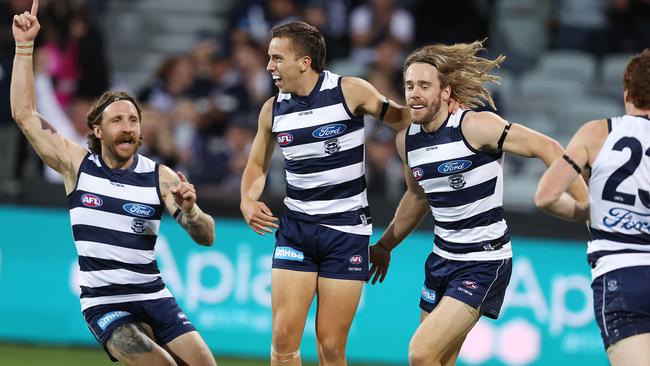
x=115 y=216
x=464 y=188
x=323 y=147
x=619 y=197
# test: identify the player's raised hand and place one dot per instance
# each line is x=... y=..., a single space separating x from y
x=25 y=26
x=258 y=216
x=184 y=193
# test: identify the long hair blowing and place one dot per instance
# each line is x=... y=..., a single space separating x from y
x=459 y=67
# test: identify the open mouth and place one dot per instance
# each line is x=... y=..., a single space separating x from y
x=276 y=79
x=125 y=142
x=417 y=107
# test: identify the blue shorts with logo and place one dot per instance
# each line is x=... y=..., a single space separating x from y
x=164 y=316
x=622 y=304
x=476 y=283
x=310 y=247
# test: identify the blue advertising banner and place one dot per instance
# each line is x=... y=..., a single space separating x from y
x=547 y=317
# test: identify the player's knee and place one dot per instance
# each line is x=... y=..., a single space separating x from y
x=332 y=349
x=420 y=356
x=285 y=339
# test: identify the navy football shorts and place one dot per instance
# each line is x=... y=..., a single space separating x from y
x=476 y=283
x=622 y=304
x=310 y=247
x=164 y=316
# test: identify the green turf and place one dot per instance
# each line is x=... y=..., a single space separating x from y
x=30 y=355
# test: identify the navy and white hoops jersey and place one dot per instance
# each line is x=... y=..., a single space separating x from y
x=323 y=147
x=464 y=188
x=115 y=216
x=619 y=197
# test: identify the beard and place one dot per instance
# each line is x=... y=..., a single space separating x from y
x=431 y=111
x=121 y=154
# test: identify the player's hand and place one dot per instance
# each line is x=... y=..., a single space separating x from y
x=184 y=194
x=258 y=216
x=25 y=26
x=379 y=260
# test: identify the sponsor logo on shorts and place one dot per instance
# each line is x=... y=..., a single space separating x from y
x=612 y=285
x=465 y=291
x=454 y=166
x=428 y=295
x=329 y=131
x=288 y=253
x=355 y=269
x=108 y=318
x=139 y=209
x=356 y=259
x=285 y=138
x=183 y=317
x=90 y=200
x=470 y=284
x=418 y=173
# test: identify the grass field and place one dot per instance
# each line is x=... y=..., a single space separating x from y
x=31 y=355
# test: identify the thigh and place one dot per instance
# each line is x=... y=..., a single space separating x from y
x=291 y=296
x=337 y=303
x=132 y=345
x=633 y=350
x=190 y=349
x=445 y=327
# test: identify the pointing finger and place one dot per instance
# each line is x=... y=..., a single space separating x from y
x=181 y=177
x=34 y=10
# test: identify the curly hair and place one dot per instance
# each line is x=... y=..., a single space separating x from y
x=459 y=67
x=636 y=79
x=94 y=117
x=306 y=40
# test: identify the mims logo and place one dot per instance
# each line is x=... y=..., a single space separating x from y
x=288 y=253
x=107 y=319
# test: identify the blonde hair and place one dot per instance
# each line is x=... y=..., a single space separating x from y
x=459 y=67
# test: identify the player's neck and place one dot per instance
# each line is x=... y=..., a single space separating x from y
x=113 y=162
x=307 y=83
x=437 y=120
x=634 y=111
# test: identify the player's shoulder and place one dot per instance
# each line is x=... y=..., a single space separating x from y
x=354 y=84
x=598 y=128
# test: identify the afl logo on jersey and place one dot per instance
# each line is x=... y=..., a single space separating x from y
x=90 y=200
x=418 y=173
x=139 y=210
x=356 y=259
x=285 y=139
x=328 y=131
x=454 y=166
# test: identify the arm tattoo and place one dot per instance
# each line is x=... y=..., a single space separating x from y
x=130 y=339
x=198 y=227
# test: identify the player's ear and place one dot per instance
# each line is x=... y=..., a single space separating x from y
x=445 y=94
x=305 y=63
x=97 y=131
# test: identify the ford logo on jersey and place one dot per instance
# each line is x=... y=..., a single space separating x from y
x=139 y=210
x=454 y=166
x=285 y=138
x=90 y=200
x=328 y=131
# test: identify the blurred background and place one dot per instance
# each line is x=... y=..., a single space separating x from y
x=198 y=67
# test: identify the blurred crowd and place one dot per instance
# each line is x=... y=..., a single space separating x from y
x=200 y=107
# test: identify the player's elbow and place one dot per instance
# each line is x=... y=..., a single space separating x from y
x=543 y=200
